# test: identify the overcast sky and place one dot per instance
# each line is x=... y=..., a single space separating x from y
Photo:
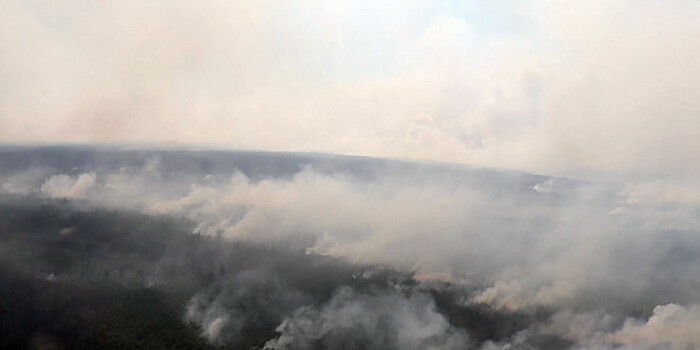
x=549 y=86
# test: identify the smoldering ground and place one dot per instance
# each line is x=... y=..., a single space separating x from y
x=315 y=251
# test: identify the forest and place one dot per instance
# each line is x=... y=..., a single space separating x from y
x=77 y=277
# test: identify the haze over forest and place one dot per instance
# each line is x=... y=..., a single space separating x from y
x=456 y=174
x=288 y=251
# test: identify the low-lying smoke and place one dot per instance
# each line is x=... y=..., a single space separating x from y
x=590 y=265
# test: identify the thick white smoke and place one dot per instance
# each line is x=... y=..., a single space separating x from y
x=373 y=321
x=68 y=187
x=597 y=254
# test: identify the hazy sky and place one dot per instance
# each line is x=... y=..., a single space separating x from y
x=552 y=86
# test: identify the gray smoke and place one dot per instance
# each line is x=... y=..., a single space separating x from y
x=591 y=264
x=369 y=321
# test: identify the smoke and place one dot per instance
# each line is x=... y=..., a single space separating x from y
x=66 y=186
x=587 y=265
x=671 y=326
x=498 y=259
x=369 y=321
x=227 y=312
x=448 y=81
